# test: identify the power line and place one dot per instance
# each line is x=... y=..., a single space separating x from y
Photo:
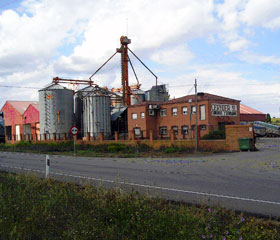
x=6 y=86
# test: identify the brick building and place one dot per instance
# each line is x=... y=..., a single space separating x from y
x=214 y=112
x=21 y=117
x=248 y=114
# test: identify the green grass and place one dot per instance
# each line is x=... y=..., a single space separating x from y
x=32 y=208
x=275 y=121
x=99 y=150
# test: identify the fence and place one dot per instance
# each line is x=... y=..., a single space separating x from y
x=154 y=138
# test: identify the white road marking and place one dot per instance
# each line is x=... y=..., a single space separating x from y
x=147 y=186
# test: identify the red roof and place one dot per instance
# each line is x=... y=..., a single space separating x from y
x=35 y=105
x=247 y=110
x=21 y=106
x=201 y=96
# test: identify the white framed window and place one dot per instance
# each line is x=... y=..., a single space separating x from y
x=142 y=115
x=184 y=110
x=202 y=112
x=193 y=109
x=151 y=112
x=175 y=129
x=137 y=132
x=185 y=130
x=162 y=112
x=134 y=115
x=202 y=127
x=174 y=111
x=163 y=130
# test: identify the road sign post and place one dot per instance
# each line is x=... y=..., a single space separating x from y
x=74 y=131
x=47 y=166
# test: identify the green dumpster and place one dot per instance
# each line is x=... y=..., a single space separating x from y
x=245 y=144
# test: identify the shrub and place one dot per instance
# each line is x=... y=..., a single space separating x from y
x=114 y=147
x=170 y=150
x=216 y=134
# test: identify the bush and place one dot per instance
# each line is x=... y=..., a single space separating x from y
x=216 y=134
x=114 y=147
x=170 y=150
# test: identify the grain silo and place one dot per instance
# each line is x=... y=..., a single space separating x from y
x=96 y=111
x=56 y=106
x=78 y=120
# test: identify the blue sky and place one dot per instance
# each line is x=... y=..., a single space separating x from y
x=231 y=47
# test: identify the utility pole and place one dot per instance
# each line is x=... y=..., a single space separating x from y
x=196 y=120
x=190 y=110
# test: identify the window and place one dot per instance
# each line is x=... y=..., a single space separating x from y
x=162 y=112
x=142 y=115
x=202 y=112
x=185 y=130
x=174 y=111
x=151 y=112
x=134 y=115
x=184 y=110
x=137 y=132
x=193 y=109
x=202 y=127
x=175 y=129
x=163 y=130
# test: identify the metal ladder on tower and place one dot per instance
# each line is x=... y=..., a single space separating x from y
x=47 y=112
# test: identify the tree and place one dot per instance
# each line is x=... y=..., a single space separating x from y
x=268 y=118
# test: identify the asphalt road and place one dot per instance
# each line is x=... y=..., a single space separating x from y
x=244 y=181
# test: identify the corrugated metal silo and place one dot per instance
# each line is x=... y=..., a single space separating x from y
x=56 y=107
x=79 y=111
x=96 y=111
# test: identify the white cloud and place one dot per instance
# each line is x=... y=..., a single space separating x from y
x=157 y=25
x=174 y=56
x=34 y=37
x=263 y=13
x=259 y=59
x=215 y=79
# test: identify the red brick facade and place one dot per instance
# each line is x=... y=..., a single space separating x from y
x=175 y=114
x=19 y=117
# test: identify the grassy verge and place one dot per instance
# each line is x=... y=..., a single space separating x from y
x=100 y=150
x=31 y=208
x=275 y=121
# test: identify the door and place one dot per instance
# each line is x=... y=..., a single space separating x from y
x=18 y=132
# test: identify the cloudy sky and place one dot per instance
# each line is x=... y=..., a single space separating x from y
x=231 y=47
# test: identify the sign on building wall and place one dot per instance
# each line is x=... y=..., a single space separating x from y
x=218 y=109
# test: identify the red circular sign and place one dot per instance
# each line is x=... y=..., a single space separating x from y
x=74 y=130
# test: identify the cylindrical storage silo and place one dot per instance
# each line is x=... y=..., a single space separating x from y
x=138 y=96
x=56 y=106
x=79 y=112
x=96 y=112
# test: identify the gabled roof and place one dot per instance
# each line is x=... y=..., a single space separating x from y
x=35 y=105
x=247 y=110
x=21 y=106
x=201 y=96
x=185 y=99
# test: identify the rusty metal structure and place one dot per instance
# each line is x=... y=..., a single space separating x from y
x=57 y=80
x=124 y=67
x=126 y=90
